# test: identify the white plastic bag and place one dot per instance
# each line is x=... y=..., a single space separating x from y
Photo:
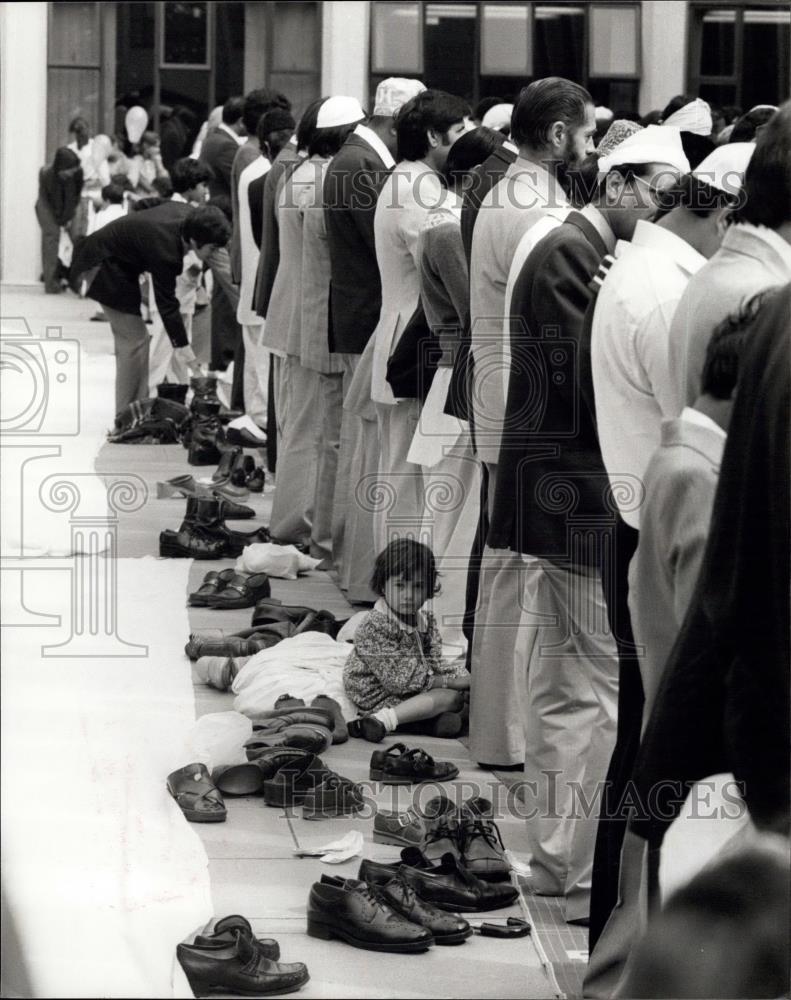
x=284 y=561
x=65 y=248
x=219 y=738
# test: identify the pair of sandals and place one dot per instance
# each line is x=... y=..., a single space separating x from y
x=228 y=589
x=398 y=765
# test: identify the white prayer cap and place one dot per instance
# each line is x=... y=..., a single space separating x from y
x=498 y=116
x=602 y=114
x=339 y=111
x=652 y=144
x=693 y=117
x=724 y=168
x=393 y=93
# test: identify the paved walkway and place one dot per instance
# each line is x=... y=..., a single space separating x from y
x=252 y=867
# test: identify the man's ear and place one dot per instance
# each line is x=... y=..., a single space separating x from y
x=556 y=135
x=433 y=138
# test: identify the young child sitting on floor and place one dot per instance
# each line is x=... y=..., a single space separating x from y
x=395 y=673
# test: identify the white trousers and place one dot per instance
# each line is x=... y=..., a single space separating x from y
x=256 y=373
x=397 y=494
x=162 y=362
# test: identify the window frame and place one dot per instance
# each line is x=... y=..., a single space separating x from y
x=160 y=48
x=376 y=73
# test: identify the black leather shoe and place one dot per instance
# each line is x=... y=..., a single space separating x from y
x=270 y=759
x=191 y=542
x=241 y=591
x=212 y=584
x=353 y=912
x=333 y=796
x=224 y=931
x=238 y=968
x=446 y=884
x=291 y=783
x=204 y=387
x=242 y=437
x=210 y=515
x=446 y=928
x=226 y=466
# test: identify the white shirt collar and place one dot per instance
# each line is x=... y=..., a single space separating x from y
x=177 y=196
x=240 y=139
x=600 y=224
x=735 y=234
x=509 y=145
x=376 y=144
x=384 y=609
x=693 y=416
x=654 y=237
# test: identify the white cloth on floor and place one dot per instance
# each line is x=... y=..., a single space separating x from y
x=304 y=666
x=219 y=738
x=283 y=561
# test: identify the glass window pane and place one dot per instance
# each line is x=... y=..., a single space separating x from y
x=186 y=34
x=559 y=41
x=450 y=48
x=766 y=79
x=395 y=38
x=618 y=95
x=505 y=40
x=296 y=46
x=718 y=94
x=228 y=51
x=718 y=43
x=74 y=34
x=613 y=41
x=134 y=76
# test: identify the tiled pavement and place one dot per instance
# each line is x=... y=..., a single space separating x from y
x=251 y=863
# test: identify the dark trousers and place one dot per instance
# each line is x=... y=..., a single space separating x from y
x=50 y=240
x=271 y=420
x=474 y=568
x=612 y=825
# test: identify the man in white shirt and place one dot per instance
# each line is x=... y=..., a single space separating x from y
x=755 y=253
x=632 y=321
x=680 y=486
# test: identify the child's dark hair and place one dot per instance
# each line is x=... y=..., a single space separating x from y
x=408 y=558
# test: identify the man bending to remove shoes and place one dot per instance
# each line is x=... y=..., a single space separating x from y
x=112 y=260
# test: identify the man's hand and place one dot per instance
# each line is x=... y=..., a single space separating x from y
x=187 y=356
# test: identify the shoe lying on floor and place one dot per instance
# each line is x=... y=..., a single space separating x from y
x=399 y=765
x=204 y=535
x=283 y=732
x=191 y=541
x=446 y=884
x=353 y=911
x=196 y=794
x=241 y=591
x=446 y=928
x=292 y=782
x=340 y=733
x=224 y=932
x=406 y=829
x=212 y=584
x=186 y=486
x=470 y=834
x=238 y=968
x=238 y=779
x=269 y=760
x=246 y=642
x=333 y=796
x=294 y=713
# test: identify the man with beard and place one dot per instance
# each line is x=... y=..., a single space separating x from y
x=551 y=505
x=553 y=125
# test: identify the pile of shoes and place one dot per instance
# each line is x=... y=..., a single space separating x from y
x=229 y=590
x=398 y=765
x=291 y=722
x=231 y=960
x=205 y=535
x=240 y=470
x=149 y=421
x=272 y=621
x=468 y=832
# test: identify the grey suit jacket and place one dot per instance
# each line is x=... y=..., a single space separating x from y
x=245 y=155
x=680 y=483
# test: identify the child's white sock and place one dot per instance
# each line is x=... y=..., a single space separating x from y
x=388 y=718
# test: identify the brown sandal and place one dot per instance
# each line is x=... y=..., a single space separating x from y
x=196 y=794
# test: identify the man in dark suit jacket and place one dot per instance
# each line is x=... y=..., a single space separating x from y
x=153 y=240
x=553 y=478
x=221 y=145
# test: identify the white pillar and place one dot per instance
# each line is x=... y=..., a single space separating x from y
x=23 y=130
x=664 y=53
x=344 y=49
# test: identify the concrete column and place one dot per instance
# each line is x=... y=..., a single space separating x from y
x=344 y=49
x=23 y=128
x=664 y=52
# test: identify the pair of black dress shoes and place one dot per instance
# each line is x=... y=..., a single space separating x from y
x=231 y=960
x=387 y=917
